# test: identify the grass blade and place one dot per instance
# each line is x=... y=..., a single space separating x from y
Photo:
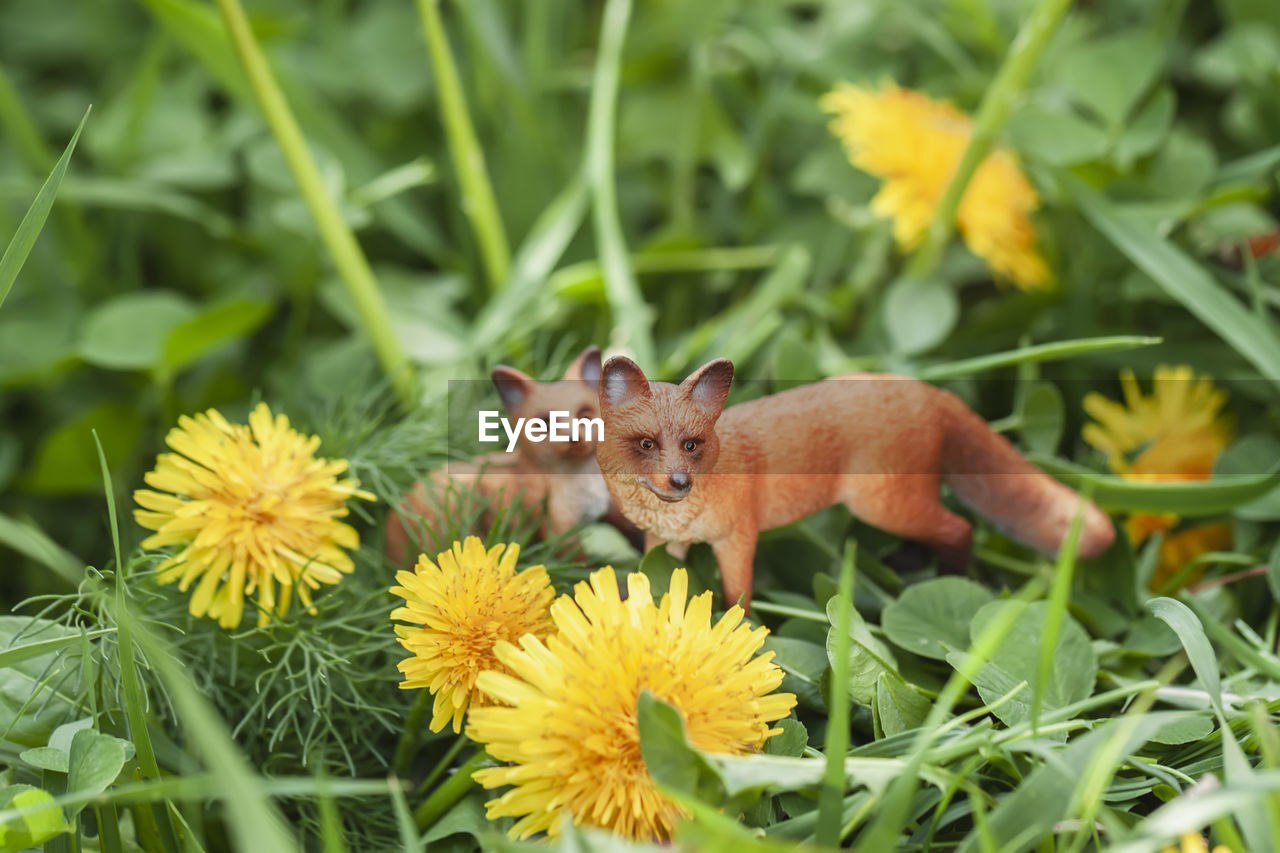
x=831 y=797
x=344 y=250
x=1193 y=498
x=410 y=839
x=31 y=541
x=1184 y=280
x=537 y=257
x=135 y=701
x=1191 y=633
x=254 y=823
x=632 y=316
x=15 y=254
x=1056 y=615
x=1035 y=353
x=479 y=203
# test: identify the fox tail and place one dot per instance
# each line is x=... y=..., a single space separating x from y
x=990 y=476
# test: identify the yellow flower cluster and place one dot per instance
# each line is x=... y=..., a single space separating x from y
x=252 y=508
x=458 y=612
x=913 y=143
x=1175 y=433
x=553 y=688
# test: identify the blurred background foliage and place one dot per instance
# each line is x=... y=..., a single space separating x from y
x=181 y=269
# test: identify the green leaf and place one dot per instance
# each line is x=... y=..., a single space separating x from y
x=1273 y=571
x=803 y=664
x=1192 y=499
x=32 y=829
x=15 y=253
x=466 y=817
x=868 y=656
x=792 y=741
x=1018 y=659
x=35 y=544
x=1248 y=455
x=1041 y=416
x=37 y=694
x=129 y=332
x=1107 y=75
x=1188 y=728
x=47 y=758
x=898 y=706
x=919 y=314
x=1199 y=651
x=66 y=462
x=1144 y=133
x=932 y=618
x=1183 y=279
x=191 y=339
x=668 y=755
x=94 y=762
x=1058 y=137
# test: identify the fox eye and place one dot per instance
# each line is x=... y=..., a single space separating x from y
x=646 y=444
x=690 y=445
x=585 y=412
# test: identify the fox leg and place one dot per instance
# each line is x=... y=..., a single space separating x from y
x=908 y=505
x=736 y=556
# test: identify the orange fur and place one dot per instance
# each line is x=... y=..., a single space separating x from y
x=564 y=474
x=685 y=469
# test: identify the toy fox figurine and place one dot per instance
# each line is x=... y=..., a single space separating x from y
x=565 y=474
x=686 y=470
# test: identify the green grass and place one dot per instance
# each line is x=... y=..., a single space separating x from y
x=340 y=207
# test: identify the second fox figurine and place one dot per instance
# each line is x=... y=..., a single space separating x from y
x=686 y=470
x=563 y=474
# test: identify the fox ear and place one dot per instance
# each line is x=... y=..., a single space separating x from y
x=513 y=386
x=708 y=386
x=622 y=381
x=586 y=367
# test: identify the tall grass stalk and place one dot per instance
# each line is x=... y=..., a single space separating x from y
x=344 y=249
x=632 y=316
x=831 y=797
x=1056 y=614
x=254 y=822
x=479 y=203
x=992 y=114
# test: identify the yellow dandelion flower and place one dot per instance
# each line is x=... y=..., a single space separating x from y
x=913 y=143
x=569 y=726
x=460 y=607
x=1194 y=842
x=251 y=507
x=1174 y=434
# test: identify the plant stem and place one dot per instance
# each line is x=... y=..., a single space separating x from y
x=993 y=112
x=449 y=792
x=479 y=203
x=632 y=317
x=831 y=797
x=409 y=735
x=349 y=259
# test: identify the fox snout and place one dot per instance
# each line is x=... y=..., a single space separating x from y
x=674 y=489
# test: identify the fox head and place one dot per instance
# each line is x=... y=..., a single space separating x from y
x=661 y=435
x=525 y=397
